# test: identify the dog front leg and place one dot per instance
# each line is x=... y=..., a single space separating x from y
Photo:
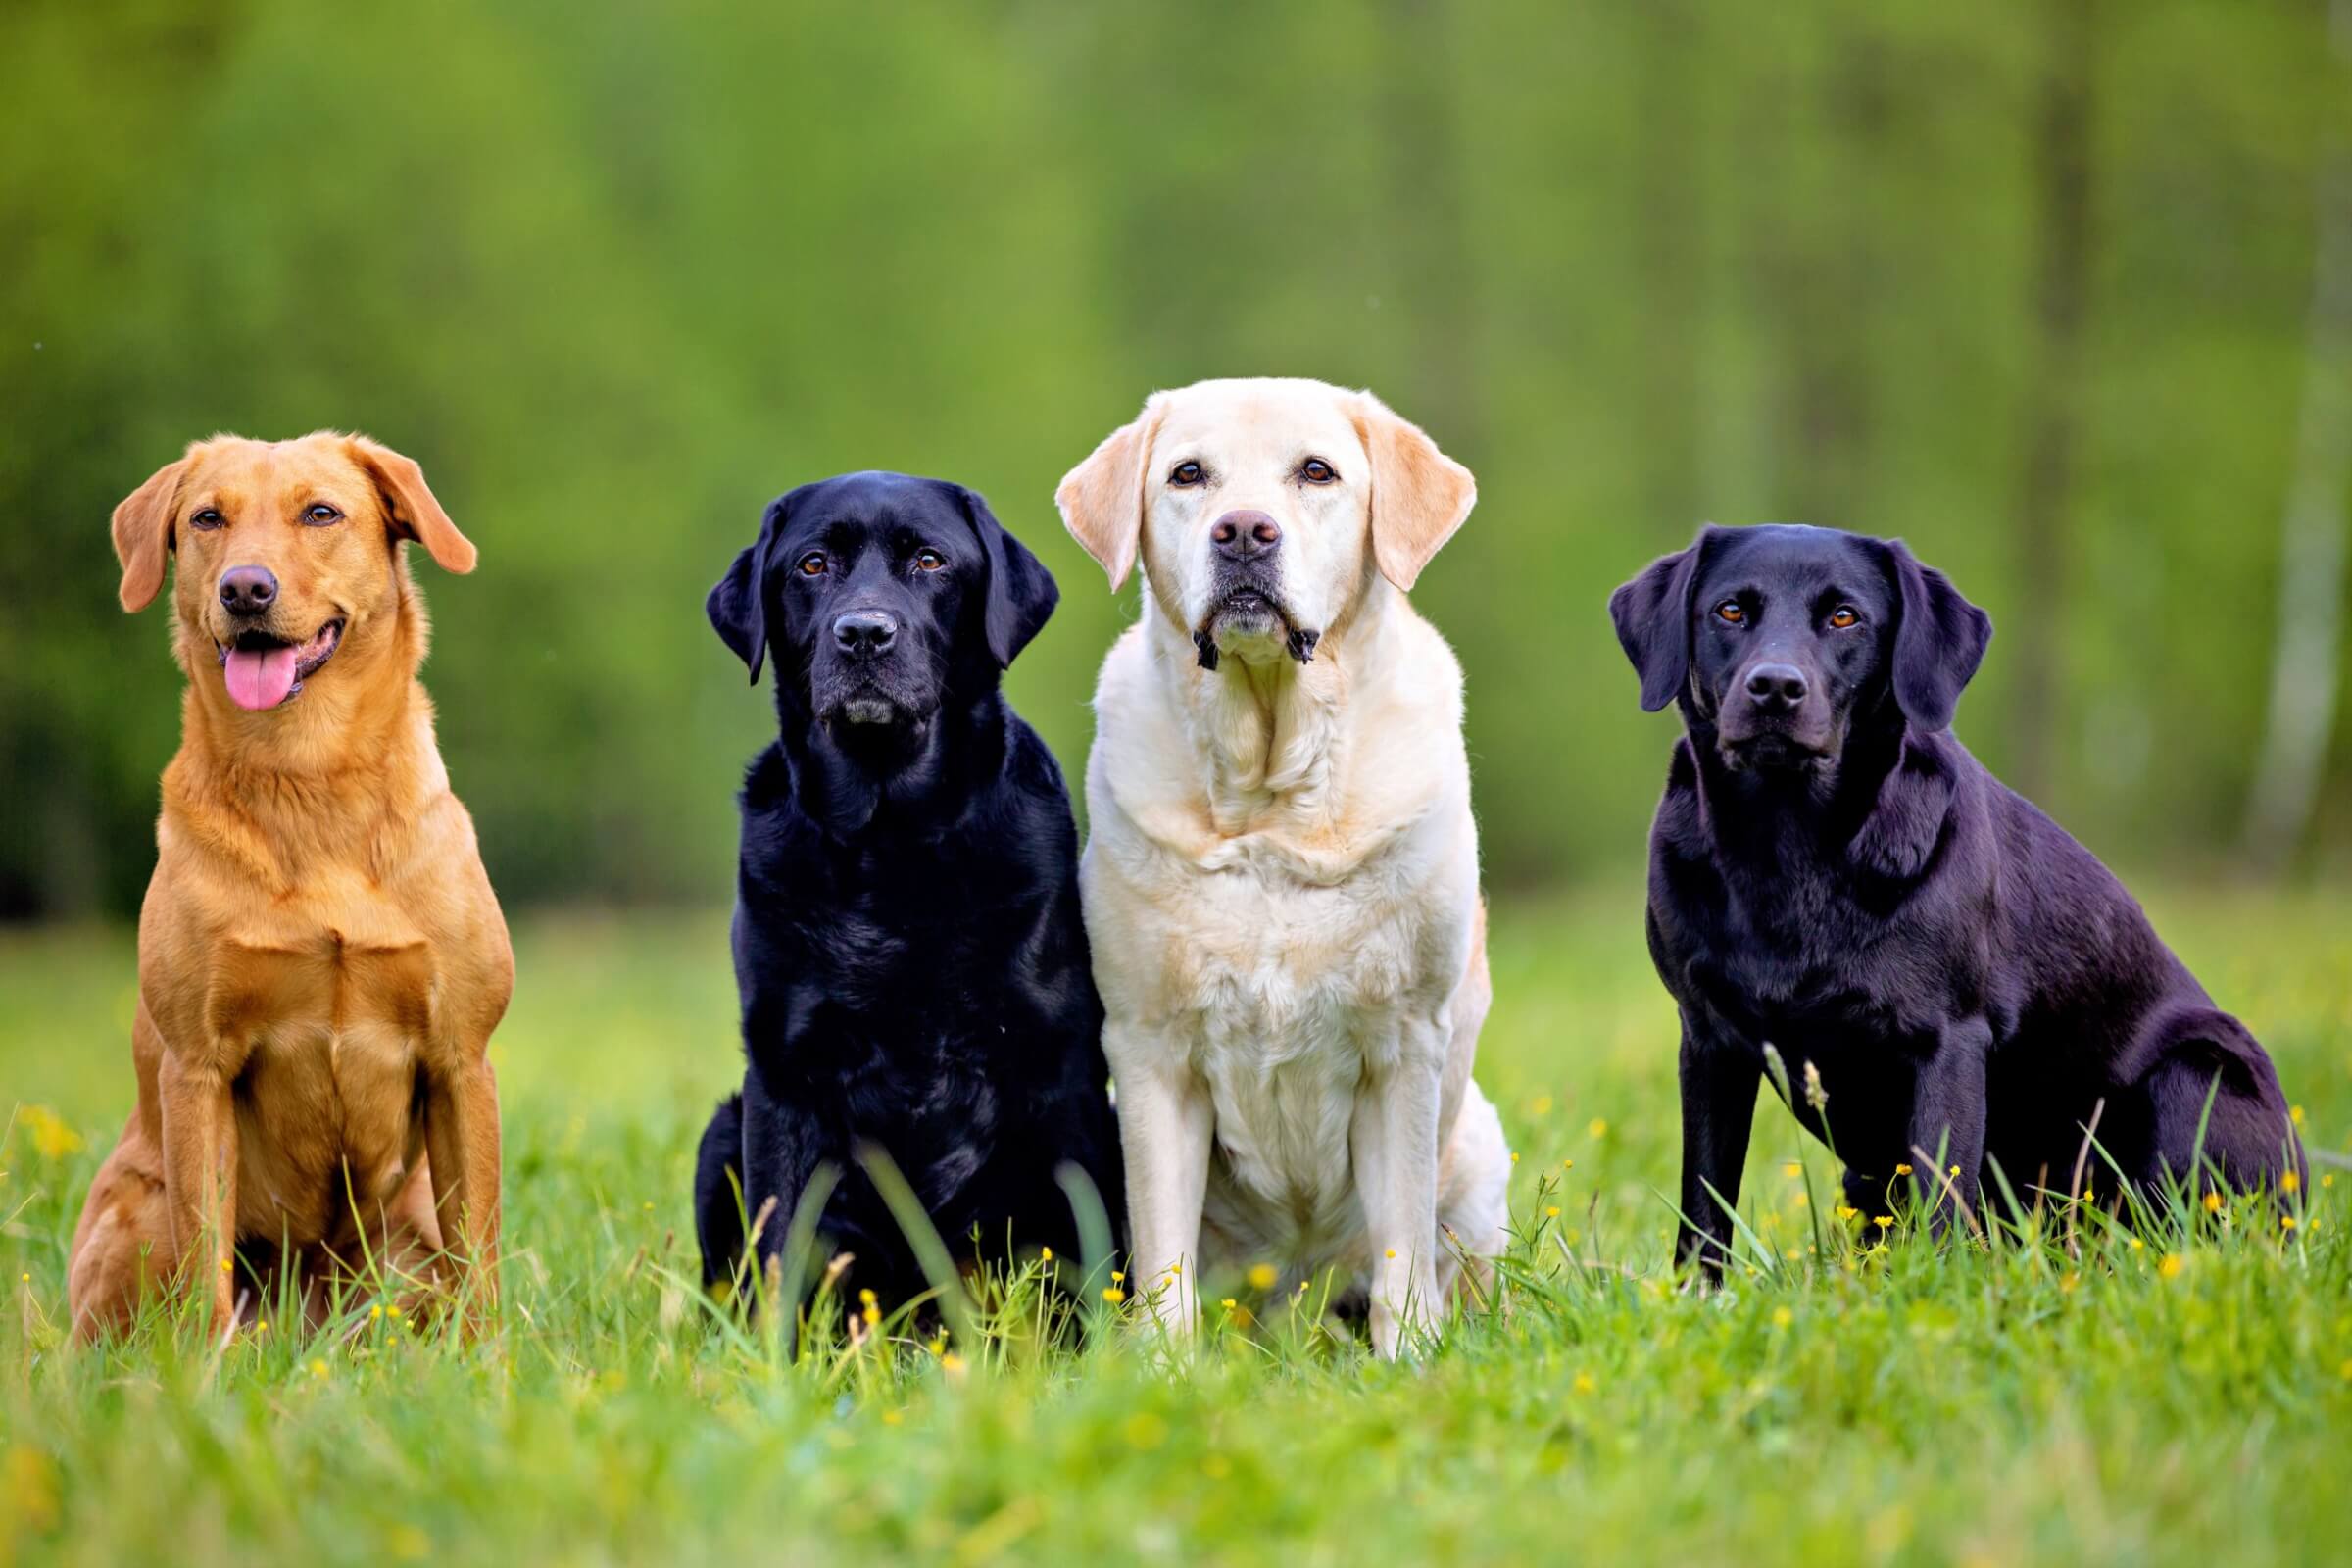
x=1166 y=1121
x=1393 y=1139
x=461 y=1139
x=1719 y=1082
x=200 y=1178
x=1947 y=1118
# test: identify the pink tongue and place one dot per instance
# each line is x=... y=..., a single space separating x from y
x=259 y=680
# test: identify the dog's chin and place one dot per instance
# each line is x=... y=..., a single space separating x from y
x=1255 y=626
x=869 y=714
x=1776 y=751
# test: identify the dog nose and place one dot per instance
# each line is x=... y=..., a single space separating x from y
x=864 y=632
x=1244 y=535
x=1776 y=686
x=248 y=590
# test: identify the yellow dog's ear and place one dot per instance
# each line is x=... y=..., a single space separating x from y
x=143 y=534
x=409 y=506
x=1102 y=500
x=1419 y=495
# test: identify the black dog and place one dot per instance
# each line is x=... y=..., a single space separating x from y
x=1832 y=872
x=913 y=972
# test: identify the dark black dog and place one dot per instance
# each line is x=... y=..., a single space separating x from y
x=907 y=945
x=1832 y=872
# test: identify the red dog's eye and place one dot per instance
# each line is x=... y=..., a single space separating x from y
x=1729 y=612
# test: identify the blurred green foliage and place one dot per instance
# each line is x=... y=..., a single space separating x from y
x=615 y=274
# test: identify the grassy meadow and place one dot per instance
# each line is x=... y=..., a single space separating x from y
x=1862 y=1396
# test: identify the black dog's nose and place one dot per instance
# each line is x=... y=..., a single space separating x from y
x=248 y=590
x=1776 y=685
x=866 y=631
x=1240 y=535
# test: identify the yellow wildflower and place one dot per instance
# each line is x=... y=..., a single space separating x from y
x=318 y=1369
x=2213 y=1202
x=1262 y=1276
x=1392 y=1250
x=1781 y=1317
x=1792 y=1170
x=1902 y=1169
x=1117 y=1278
x=1550 y=1213
x=1847 y=1211
x=2290 y=1182
x=2168 y=1267
x=2294 y=1114
x=1229 y=1303
x=1597 y=1127
x=50 y=1133
x=1113 y=1295
x=1881 y=1221
x=1584 y=1383
x=1567 y=1164
x=2287 y=1222
x=1045 y=1254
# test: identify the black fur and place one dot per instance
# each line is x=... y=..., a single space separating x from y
x=1832 y=872
x=912 y=969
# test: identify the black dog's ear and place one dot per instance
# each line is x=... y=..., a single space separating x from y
x=1652 y=616
x=738 y=602
x=1021 y=593
x=1939 y=644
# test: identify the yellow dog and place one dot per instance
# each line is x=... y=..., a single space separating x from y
x=322 y=960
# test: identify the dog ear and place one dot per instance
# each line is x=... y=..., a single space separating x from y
x=143 y=534
x=408 y=504
x=1939 y=644
x=1419 y=495
x=1022 y=591
x=738 y=602
x=1102 y=500
x=1652 y=616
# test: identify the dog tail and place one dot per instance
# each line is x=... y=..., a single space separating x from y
x=718 y=1220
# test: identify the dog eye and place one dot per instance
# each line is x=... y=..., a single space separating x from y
x=929 y=560
x=320 y=514
x=1314 y=470
x=208 y=519
x=1729 y=613
x=1845 y=615
x=813 y=565
x=1187 y=474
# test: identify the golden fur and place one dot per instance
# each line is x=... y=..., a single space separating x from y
x=322 y=960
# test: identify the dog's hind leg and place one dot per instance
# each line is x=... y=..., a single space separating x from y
x=122 y=1242
x=1473 y=1200
x=2195 y=1057
x=718 y=1194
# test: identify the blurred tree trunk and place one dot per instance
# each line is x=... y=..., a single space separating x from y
x=2312 y=545
x=2062 y=185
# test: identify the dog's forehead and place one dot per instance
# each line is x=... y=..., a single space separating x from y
x=872 y=499
x=1793 y=556
x=249 y=472
x=1278 y=417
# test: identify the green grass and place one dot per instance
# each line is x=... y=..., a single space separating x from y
x=1916 y=1404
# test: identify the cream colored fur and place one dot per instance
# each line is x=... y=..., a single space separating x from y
x=1281 y=886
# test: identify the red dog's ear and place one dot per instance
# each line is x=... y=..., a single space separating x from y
x=1419 y=495
x=409 y=505
x=1102 y=500
x=143 y=534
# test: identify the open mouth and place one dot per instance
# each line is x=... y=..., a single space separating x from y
x=1251 y=611
x=261 y=670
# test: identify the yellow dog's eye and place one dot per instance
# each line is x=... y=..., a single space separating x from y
x=1314 y=470
x=813 y=565
x=1845 y=615
x=320 y=514
x=1729 y=612
x=1187 y=472
x=929 y=560
x=208 y=518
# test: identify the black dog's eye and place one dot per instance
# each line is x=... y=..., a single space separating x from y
x=1314 y=470
x=813 y=565
x=320 y=514
x=1845 y=615
x=1187 y=472
x=1729 y=613
x=208 y=519
x=929 y=561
